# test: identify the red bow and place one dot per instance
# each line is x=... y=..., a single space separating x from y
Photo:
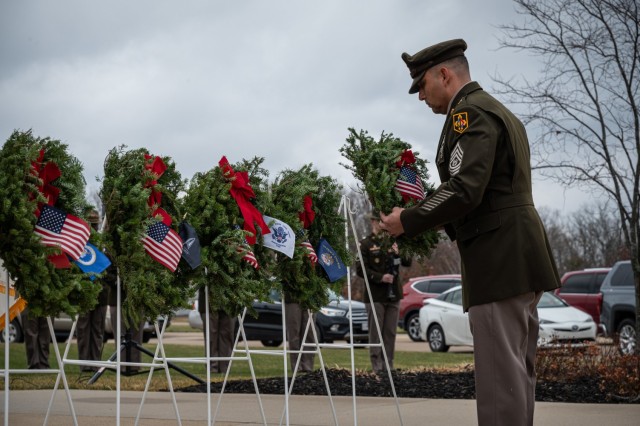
x=156 y=167
x=406 y=159
x=243 y=194
x=307 y=215
x=46 y=173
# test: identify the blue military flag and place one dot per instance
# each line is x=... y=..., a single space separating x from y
x=92 y=261
x=190 y=244
x=330 y=261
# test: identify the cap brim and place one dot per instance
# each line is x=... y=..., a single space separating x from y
x=415 y=85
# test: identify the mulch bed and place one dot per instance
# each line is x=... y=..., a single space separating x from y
x=415 y=384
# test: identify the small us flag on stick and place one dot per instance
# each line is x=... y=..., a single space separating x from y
x=59 y=229
x=409 y=184
x=311 y=253
x=163 y=244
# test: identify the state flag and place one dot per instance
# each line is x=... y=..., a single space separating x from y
x=64 y=231
x=163 y=244
x=330 y=261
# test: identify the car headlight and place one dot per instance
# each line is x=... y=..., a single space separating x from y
x=332 y=312
x=589 y=320
x=546 y=322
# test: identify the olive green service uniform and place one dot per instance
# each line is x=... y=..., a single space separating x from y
x=386 y=299
x=221 y=334
x=485 y=203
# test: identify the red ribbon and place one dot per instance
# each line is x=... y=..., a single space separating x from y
x=47 y=173
x=243 y=194
x=406 y=158
x=307 y=215
x=156 y=166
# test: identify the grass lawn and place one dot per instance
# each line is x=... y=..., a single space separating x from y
x=264 y=366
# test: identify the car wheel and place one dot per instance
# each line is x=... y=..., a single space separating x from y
x=627 y=337
x=271 y=343
x=15 y=332
x=435 y=336
x=413 y=327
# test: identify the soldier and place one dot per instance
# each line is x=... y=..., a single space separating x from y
x=37 y=338
x=221 y=333
x=381 y=267
x=485 y=203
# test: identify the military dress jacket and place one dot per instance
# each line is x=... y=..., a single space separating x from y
x=378 y=262
x=485 y=202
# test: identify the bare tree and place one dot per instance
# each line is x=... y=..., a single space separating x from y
x=586 y=105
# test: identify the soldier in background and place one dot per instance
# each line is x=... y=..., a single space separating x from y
x=221 y=333
x=37 y=338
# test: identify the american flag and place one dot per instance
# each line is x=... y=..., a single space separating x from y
x=62 y=230
x=163 y=244
x=409 y=184
x=248 y=256
x=311 y=253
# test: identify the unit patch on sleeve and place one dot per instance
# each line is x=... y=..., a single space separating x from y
x=460 y=122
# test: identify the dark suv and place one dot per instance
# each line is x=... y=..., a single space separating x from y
x=581 y=289
x=415 y=291
x=619 y=306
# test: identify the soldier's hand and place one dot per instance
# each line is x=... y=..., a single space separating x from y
x=392 y=223
x=387 y=278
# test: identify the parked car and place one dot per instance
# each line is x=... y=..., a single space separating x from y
x=619 y=306
x=443 y=324
x=581 y=289
x=332 y=321
x=415 y=291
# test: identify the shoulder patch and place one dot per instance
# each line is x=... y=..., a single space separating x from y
x=460 y=122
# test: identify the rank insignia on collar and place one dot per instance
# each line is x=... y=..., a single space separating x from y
x=460 y=122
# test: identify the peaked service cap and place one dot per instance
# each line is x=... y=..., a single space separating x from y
x=419 y=63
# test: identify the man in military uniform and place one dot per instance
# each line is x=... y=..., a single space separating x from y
x=381 y=268
x=485 y=203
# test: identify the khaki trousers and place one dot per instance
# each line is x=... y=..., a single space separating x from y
x=387 y=314
x=505 y=335
x=221 y=338
x=297 y=319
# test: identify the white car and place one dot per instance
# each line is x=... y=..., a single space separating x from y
x=443 y=324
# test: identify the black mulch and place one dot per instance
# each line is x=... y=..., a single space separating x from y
x=414 y=384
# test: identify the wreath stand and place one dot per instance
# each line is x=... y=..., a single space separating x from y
x=284 y=353
x=207 y=360
x=7 y=371
x=345 y=206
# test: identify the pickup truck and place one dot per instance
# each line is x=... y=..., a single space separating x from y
x=619 y=306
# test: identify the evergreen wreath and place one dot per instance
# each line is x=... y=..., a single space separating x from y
x=47 y=290
x=374 y=163
x=304 y=281
x=149 y=288
x=209 y=207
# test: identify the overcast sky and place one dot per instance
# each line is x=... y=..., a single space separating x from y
x=198 y=79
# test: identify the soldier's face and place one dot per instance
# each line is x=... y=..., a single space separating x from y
x=432 y=91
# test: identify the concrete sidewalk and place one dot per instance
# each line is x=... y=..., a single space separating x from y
x=98 y=408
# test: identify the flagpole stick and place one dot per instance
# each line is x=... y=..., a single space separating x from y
x=6 y=352
x=207 y=341
x=117 y=343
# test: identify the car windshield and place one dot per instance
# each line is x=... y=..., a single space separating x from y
x=549 y=300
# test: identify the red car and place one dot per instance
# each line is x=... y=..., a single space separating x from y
x=581 y=289
x=416 y=290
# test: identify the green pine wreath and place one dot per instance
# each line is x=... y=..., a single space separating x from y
x=213 y=212
x=47 y=290
x=303 y=282
x=149 y=288
x=373 y=164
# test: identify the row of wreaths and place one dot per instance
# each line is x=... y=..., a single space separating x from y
x=223 y=205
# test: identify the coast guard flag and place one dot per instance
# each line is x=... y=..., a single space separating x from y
x=281 y=238
x=163 y=244
x=59 y=229
x=330 y=261
x=190 y=245
x=409 y=184
x=92 y=261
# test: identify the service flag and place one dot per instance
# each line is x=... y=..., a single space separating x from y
x=281 y=238
x=163 y=244
x=190 y=245
x=92 y=261
x=59 y=229
x=409 y=184
x=330 y=261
